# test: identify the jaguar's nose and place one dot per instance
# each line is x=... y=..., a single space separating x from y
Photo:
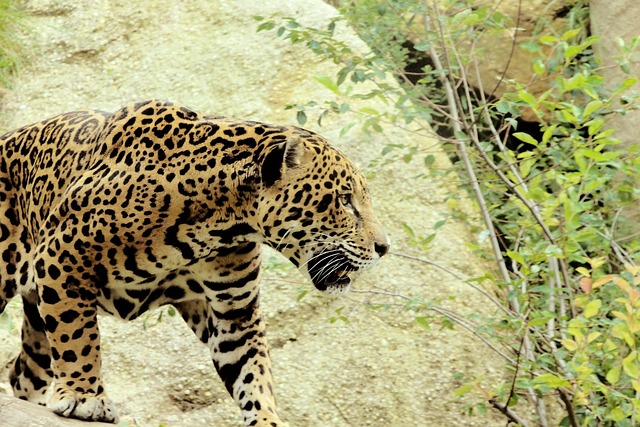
x=381 y=248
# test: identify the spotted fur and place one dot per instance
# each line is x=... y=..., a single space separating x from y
x=157 y=204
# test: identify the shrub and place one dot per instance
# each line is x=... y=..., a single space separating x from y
x=550 y=194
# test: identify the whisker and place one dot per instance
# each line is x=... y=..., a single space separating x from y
x=337 y=267
x=323 y=253
x=282 y=239
x=329 y=268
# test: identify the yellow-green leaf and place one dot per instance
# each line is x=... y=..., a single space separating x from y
x=525 y=167
x=548 y=39
x=583 y=271
x=329 y=83
x=610 y=347
x=571 y=34
x=570 y=345
x=525 y=137
x=621 y=331
x=548 y=133
x=592 y=308
x=613 y=376
x=602 y=280
x=539 y=67
x=617 y=414
x=369 y=111
x=551 y=381
x=593 y=336
x=539 y=321
x=463 y=390
x=591 y=107
x=630 y=365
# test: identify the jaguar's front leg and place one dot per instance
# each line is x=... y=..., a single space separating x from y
x=233 y=328
x=67 y=304
x=241 y=357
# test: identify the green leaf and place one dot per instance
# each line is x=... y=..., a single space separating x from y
x=594 y=125
x=266 y=26
x=439 y=224
x=460 y=135
x=503 y=107
x=346 y=129
x=539 y=321
x=525 y=137
x=331 y=27
x=407 y=228
x=301 y=116
x=429 y=160
x=531 y=47
x=599 y=157
x=527 y=97
x=422 y=46
x=553 y=250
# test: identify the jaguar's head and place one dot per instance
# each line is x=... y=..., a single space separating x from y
x=316 y=210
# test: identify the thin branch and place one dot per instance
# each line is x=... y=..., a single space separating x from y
x=451 y=100
x=507 y=412
x=568 y=407
x=448 y=314
x=484 y=292
x=517 y=190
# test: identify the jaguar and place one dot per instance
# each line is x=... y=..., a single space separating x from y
x=156 y=204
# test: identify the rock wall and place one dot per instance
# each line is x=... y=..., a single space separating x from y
x=379 y=369
x=610 y=23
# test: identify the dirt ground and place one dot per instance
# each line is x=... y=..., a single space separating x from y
x=377 y=369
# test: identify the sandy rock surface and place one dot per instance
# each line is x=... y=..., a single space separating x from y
x=377 y=369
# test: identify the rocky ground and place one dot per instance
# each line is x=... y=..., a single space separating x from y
x=379 y=368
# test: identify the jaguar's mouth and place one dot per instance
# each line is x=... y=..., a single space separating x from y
x=330 y=272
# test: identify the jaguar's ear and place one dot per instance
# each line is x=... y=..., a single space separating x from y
x=283 y=156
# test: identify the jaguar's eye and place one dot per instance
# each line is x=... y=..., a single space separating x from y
x=345 y=200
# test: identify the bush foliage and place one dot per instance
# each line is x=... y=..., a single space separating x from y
x=553 y=195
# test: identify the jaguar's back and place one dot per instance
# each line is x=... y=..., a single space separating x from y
x=37 y=164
